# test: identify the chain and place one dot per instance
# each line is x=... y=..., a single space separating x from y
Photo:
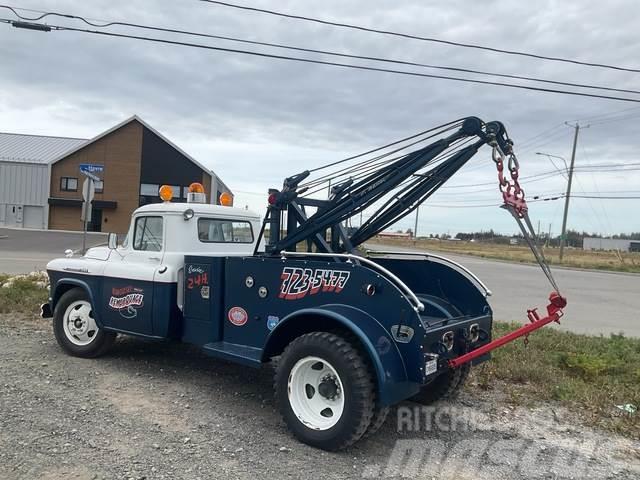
x=514 y=202
x=512 y=192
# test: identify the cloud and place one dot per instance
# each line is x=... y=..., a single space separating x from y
x=274 y=118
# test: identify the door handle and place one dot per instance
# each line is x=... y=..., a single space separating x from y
x=154 y=258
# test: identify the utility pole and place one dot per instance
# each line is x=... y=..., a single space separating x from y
x=567 y=197
x=415 y=229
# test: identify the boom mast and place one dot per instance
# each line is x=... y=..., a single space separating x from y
x=394 y=187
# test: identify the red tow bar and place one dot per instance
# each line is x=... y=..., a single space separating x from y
x=554 y=312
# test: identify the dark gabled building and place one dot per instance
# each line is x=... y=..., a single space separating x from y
x=133 y=160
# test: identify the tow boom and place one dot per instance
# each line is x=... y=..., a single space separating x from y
x=392 y=183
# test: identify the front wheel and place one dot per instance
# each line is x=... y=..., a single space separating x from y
x=324 y=390
x=75 y=328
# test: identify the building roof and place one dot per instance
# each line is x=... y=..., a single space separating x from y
x=122 y=124
x=21 y=148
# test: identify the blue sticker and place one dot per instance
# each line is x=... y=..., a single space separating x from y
x=272 y=321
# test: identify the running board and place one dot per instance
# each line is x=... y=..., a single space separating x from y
x=250 y=356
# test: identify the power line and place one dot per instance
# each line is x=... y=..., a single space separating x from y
x=417 y=37
x=318 y=51
x=49 y=27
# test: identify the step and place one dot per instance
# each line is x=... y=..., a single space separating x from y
x=250 y=356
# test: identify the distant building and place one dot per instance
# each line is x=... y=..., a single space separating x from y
x=595 y=243
x=24 y=176
x=41 y=183
x=395 y=235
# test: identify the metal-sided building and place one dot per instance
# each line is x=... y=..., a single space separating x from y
x=41 y=177
x=596 y=243
x=24 y=177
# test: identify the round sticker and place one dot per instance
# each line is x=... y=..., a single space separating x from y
x=238 y=316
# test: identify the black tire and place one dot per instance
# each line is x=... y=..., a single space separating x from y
x=380 y=415
x=357 y=383
x=445 y=387
x=100 y=341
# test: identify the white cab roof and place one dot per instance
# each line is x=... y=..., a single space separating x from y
x=198 y=209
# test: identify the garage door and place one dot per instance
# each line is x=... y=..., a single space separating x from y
x=33 y=217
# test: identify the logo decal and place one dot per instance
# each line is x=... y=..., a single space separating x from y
x=299 y=282
x=272 y=321
x=238 y=316
x=127 y=300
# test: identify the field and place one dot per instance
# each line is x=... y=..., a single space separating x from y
x=576 y=258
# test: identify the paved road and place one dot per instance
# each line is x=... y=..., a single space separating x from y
x=22 y=251
x=598 y=302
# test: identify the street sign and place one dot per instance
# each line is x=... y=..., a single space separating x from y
x=96 y=170
x=88 y=192
x=88 y=189
x=93 y=177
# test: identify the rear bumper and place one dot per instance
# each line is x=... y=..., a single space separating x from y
x=455 y=337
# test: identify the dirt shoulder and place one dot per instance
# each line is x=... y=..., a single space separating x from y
x=162 y=410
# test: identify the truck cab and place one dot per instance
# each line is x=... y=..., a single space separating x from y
x=138 y=286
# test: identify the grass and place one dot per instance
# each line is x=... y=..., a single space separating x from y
x=577 y=258
x=588 y=374
x=23 y=296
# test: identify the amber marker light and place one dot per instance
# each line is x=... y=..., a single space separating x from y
x=196 y=187
x=166 y=193
x=226 y=199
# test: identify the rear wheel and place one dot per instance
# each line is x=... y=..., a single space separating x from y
x=75 y=328
x=324 y=391
x=380 y=415
x=444 y=387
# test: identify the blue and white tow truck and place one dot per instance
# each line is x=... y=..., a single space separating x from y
x=354 y=331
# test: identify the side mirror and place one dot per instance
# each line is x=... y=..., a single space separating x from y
x=112 y=241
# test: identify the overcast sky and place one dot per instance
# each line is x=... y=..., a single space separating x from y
x=255 y=121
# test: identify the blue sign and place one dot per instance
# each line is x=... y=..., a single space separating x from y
x=91 y=168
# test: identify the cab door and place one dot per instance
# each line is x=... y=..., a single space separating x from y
x=129 y=275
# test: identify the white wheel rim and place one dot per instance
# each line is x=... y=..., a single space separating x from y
x=78 y=323
x=316 y=394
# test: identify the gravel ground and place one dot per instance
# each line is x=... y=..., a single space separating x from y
x=163 y=410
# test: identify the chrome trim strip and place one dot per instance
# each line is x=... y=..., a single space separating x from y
x=427 y=256
x=418 y=306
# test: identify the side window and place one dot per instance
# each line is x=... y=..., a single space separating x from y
x=211 y=230
x=147 y=234
x=68 y=184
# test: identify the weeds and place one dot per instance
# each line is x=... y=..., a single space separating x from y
x=23 y=295
x=592 y=374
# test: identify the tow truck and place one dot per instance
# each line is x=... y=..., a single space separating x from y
x=352 y=331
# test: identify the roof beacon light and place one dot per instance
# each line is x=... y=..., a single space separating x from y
x=226 y=199
x=166 y=193
x=196 y=193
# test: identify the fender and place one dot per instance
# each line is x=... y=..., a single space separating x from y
x=393 y=385
x=55 y=296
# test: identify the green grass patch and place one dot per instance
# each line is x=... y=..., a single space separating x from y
x=589 y=374
x=22 y=296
